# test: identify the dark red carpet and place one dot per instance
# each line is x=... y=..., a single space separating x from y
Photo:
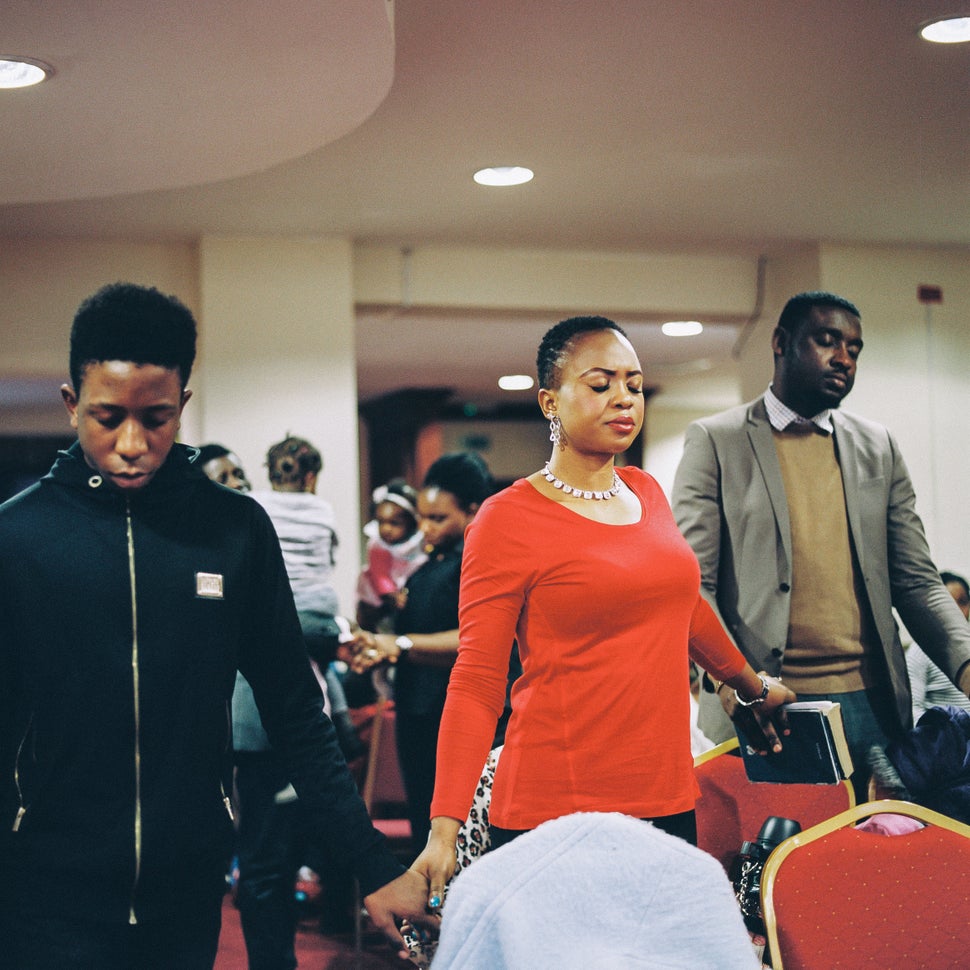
x=314 y=951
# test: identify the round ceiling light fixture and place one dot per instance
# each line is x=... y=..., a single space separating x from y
x=504 y=175
x=946 y=30
x=22 y=72
x=682 y=328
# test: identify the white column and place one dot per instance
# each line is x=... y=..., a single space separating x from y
x=277 y=357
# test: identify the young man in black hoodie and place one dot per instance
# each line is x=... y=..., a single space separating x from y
x=131 y=590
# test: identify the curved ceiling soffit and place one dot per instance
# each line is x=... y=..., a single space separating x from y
x=192 y=108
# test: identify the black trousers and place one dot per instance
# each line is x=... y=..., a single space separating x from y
x=269 y=857
x=683 y=825
x=417 y=746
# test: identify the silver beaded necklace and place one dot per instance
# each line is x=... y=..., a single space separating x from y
x=582 y=492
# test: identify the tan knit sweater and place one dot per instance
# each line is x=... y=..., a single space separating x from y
x=830 y=635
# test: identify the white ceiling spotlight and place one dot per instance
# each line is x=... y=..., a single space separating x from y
x=504 y=175
x=682 y=328
x=22 y=72
x=948 y=30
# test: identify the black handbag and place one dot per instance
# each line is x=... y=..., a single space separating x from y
x=747 y=866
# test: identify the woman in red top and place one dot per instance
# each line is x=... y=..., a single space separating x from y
x=583 y=564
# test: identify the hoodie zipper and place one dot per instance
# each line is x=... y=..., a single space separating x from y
x=226 y=800
x=132 y=918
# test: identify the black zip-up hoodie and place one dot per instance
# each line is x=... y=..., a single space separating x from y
x=123 y=620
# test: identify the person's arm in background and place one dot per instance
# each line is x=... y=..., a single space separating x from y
x=433 y=649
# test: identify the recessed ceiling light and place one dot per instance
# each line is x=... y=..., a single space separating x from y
x=515 y=382
x=22 y=72
x=949 y=30
x=504 y=175
x=682 y=328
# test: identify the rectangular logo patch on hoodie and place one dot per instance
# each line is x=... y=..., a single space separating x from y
x=208 y=586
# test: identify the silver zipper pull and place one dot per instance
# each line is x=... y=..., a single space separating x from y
x=228 y=804
x=21 y=812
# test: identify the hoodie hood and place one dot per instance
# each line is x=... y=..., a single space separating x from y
x=72 y=470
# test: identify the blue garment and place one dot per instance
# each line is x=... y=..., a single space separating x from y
x=869 y=723
x=933 y=761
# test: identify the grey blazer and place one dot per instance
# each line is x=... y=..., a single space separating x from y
x=729 y=501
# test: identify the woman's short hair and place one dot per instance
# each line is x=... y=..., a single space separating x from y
x=464 y=474
x=557 y=344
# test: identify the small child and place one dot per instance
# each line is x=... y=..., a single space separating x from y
x=395 y=549
x=304 y=523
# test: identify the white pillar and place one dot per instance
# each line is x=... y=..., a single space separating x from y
x=277 y=357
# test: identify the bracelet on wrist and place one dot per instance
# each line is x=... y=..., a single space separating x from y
x=765 y=687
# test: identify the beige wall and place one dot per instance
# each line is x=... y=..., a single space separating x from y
x=277 y=339
x=42 y=281
x=660 y=285
x=912 y=374
x=276 y=345
x=278 y=358
x=510 y=448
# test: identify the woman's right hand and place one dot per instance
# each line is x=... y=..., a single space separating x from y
x=438 y=860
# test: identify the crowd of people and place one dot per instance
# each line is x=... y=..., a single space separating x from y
x=172 y=646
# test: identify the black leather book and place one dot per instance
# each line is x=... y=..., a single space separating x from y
x=815 y=753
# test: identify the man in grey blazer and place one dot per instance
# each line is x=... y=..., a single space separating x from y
x=803 y=519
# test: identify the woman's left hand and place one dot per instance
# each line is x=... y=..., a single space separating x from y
x=765 y=722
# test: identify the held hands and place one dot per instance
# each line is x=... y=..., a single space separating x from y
x=763 y=721
x=406 y=898
x=417 y=896
x=370 y=649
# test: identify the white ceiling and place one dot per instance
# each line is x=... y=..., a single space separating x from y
x=651 y=124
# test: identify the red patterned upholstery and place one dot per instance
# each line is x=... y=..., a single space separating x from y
x=835 y=897
x=383 y=788
x=731 y=809
x=383 y=794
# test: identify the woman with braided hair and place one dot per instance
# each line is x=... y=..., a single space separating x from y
x=583 y=565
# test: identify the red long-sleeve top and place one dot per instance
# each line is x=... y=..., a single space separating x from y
x=606 y=617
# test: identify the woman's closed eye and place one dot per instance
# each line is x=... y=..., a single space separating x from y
x=603 y=388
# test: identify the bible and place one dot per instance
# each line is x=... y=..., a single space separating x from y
x=815 y=753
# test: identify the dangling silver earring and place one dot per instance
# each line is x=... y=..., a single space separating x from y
x=555 y=431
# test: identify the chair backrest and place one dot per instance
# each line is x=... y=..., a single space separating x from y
x=383 y=785
x=731 y=809
x=835 y=896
